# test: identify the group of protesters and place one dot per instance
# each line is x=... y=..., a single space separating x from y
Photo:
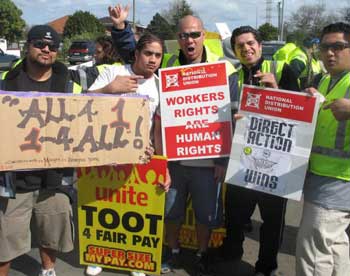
x=322 y=243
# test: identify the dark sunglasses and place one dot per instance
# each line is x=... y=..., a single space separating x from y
x=192 y=35
x=41 y=44
x=335 y=47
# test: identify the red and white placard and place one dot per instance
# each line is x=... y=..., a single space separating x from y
x=272 y=143
x=195 y=111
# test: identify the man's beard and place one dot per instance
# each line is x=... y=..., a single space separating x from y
x=41 y=64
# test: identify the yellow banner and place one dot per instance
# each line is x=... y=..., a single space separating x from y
x=188 y=235
x=54 y=130
x=120 y=215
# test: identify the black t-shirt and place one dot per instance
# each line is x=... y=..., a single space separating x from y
x=36 y=179
x=25 y=83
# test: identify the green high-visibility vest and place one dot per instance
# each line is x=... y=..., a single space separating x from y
x=330 y=155
x=268 y=66
x=72 y=87
x=170 y=60
x=283 y=53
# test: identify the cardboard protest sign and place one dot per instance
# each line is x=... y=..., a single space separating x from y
x=272 y=143
x=120 y=215
x=53 y=130
x=196 y=113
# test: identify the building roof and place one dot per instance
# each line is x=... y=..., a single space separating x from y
x=58 y=24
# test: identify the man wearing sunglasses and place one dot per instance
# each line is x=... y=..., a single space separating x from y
x=322 y=243
x=40 y=193
x=199 y=178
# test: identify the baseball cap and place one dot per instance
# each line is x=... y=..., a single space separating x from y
x=44 y=32
x=309 y=41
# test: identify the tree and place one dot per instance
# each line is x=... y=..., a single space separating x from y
x=12 y=25
x=309 y=21
x=82 y=22
x=160 y=27
x=177 y=10
x=346 y=14
x=268 y=32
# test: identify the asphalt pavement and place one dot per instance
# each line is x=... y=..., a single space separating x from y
x=68 y=264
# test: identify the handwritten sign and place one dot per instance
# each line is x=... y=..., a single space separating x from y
x=120 y=213
x=52 y=130
x=196 y=113
x=272 y=143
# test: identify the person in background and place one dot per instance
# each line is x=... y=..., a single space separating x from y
x=304 y=62
x=105 y=55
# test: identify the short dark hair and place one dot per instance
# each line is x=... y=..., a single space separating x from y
x=339 y=27
x=110 y=53
x=243 y=30
x=148 y=38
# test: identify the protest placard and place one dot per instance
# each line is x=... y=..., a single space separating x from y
x=120 y=215
x=272 y=143
x=196 y=113
x=53 y=130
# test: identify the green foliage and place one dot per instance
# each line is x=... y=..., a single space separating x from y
x=11 y=23
x=82 y=22
x=268 y=32
x=346 y=14
x=177 y=10
x=160 y=27
x=309 y=21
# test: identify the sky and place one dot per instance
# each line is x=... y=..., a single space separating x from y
x=234 y=12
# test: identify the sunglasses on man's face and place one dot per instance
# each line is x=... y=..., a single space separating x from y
x=192 y=35
x=335 y=47
x=41 y=44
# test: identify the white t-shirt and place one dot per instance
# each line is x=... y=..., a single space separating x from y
x=147 y=87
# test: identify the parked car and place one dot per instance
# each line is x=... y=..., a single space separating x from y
x=81 y=51
x=6 y=60
x=270 y=47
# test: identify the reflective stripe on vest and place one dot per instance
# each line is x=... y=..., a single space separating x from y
x=171 y=61
x=73 y=87
x=83 y=79
x=331 y=145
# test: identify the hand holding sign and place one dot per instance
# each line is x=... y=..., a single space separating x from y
x=167 y=182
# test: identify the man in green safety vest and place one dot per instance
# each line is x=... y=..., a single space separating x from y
x=304 y=62
x=323 y=244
